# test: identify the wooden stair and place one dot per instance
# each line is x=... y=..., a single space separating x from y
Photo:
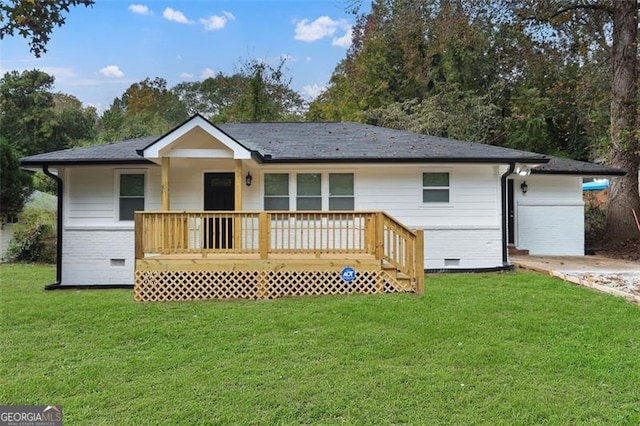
x=404 y=281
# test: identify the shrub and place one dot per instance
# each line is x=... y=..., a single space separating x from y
x=595 y=218
x=34 y=237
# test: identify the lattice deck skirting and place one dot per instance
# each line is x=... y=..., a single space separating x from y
x=271 y=281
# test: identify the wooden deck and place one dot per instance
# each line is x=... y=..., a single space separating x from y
x=203 y=255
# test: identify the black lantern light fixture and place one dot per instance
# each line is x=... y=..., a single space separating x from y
x=524 y=187
x=248 y=179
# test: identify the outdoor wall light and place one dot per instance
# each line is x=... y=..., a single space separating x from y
x=248 y=179
x=524 y=187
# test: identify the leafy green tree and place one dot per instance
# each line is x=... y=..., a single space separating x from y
x=146 y=108
x=35 y=120
x=449 y=113
x=75 y=124
x=338 y=102
x=582 y=28
x=35 y=19
x=265 y=95
x=212 y=97
x=15 y=184
x=26 y=111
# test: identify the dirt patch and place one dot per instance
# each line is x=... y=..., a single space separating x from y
x=627 y=250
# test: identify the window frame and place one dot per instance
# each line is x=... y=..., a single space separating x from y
x=324 y=188
x=264 y=189
x=449 y=188
x=118 y=176
x=308 y=197
x=351 y=196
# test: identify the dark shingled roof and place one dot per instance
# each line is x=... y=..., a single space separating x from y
x=574 y=167
x=114 y=153
x=330 y=142
x=353 y=142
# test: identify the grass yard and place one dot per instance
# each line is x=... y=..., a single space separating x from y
x=517 y=348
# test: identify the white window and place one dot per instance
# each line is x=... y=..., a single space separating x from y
x=309 y=191
x=130 y=195
x=436 y=187
x=276 y=191
x=341 y=195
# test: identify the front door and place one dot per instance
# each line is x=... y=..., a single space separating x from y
x=511 y=216
x=219 y=195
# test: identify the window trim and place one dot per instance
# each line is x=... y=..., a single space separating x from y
x=329 y=196
x=427 y=204
x=264 y=186
x=116 y=190
x=324 y=186
x=308 y=197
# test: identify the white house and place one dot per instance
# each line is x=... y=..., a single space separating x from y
x=472 y=200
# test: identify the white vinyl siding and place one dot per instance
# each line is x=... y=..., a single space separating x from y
x=549 y=218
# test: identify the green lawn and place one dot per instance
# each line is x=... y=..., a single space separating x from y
x=516 y=348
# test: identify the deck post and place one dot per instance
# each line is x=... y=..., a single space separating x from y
x=264 y=231
x=238 y=181
x=370 y=233
x=139 y=250
x=237 y=206
x=166 y=205
x=419 y=256
x=379 y=236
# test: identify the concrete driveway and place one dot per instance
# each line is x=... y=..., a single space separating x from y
x=613 y=276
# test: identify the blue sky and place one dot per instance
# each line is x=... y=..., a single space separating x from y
x=102 y=50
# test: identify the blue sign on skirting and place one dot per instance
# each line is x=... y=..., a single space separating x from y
x=348 y=274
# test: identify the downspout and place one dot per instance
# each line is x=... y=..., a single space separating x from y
x=58 y=180
x=505 y=213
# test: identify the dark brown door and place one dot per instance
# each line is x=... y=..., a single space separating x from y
x=219 y=195
x=511 y=216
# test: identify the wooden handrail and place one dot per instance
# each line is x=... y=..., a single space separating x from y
x=400 y=246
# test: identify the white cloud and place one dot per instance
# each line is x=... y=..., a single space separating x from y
x=312 y=92
x=140 y=9
x=216 y=22
x=186 y=75
x=322 y=27
x=111 y=71
x=308 y=58
x=60 y=73
x=175 y=16
x=207 y=72
x=344 y=41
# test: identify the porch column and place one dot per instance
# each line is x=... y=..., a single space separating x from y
x=237 y=205
x=166 y=205
x=239 y=180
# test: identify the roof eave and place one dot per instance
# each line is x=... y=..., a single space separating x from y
x=579 y=173
x=538 y=160
x=94 y=162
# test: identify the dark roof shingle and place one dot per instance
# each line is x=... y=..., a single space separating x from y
x=318 y=142
x=332 y=142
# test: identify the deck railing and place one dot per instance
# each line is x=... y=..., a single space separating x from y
x=268 y=234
